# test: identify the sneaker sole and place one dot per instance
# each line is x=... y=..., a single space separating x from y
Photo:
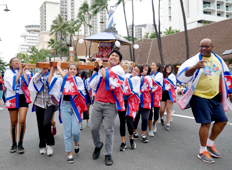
x=205 y=160
x=70 y=162
x=213 y=155
x=134 y=147
x=123 y=149
x=13 y=151
x=20 y=152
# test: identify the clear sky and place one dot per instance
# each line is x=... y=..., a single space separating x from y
x=24 y=12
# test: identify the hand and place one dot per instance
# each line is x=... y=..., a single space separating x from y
x=59 y=64
x=99 y=62
x=25 y=67
x=200 y=64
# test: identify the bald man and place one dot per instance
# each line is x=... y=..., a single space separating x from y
x=204 y=72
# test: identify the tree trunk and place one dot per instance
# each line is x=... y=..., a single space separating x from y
x=90 y=49
x=157 y=34
x=133 y=30
x=60 y=45
x=185 y=29
x=128 y=36
x=85 y=44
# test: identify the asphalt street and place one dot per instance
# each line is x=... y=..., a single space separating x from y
x=176 y=149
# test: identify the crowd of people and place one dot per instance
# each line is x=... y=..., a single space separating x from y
x=141 y=91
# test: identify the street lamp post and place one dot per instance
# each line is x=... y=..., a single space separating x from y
x=7 y=10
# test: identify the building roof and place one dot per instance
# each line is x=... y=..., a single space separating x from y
x=173 y=46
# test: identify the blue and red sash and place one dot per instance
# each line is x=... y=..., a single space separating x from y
x=145 y=96
x=170 y=87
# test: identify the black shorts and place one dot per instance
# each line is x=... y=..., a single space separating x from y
x=22 y=102
x=165 y=96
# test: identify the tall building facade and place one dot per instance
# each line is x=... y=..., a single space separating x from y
x=48 y=12
x=141 y=30
x=69 y=10
x=30 y=37
x=198 y=13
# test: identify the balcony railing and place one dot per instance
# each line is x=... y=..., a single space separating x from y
x=229 y=1
x=220 y=7
x=207 y=6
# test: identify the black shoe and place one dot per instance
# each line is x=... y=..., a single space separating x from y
x=162 y=122
x=108 y=160
x=132 y=144
x=20 y=148
x=76 y=149
x=135 y=135
x=123 y=146
x=13 y=147
x=70 y=159
x=144 y=139
x=97 y=151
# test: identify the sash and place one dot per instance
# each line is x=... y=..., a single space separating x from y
x=170 y=87
x=157 y=91
x=77 y=98
x=133 y=99
x=114 y=83
x=145 y=96
x=13 y=101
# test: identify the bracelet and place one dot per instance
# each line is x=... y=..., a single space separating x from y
x=101 y=66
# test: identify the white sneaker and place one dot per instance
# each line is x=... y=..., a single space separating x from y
x=173 y=111
x=42 y=151
x=150 y=133
x=81 y=127
x=154 y=128
x=165 y=113
x=1 y=108
x=49 y=150
x=87 y=125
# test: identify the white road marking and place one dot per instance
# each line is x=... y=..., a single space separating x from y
x=191 y=117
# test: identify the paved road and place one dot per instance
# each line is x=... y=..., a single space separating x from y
x=174 y=150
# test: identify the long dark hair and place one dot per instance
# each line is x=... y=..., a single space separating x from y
x=165 y=74
x=149 y=69
x=11 y=61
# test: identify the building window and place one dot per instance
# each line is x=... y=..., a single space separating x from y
x=218 y=14
x=170 y=18
x=207 y=13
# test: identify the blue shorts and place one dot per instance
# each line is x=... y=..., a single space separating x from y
x=207 y=110
x=1 y=93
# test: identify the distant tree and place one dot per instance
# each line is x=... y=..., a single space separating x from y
x=153 y=35
x=3 y=65
x=131 y=38
x=170 y=31
x=146 y=35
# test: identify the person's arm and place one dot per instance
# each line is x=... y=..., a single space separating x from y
x=52 y=71
x=62 y=73
x=18 y=74
x=24 y=73
x=191 y=70
x=37 y=77
x=100 y=63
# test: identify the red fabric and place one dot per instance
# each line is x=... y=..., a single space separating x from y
x=103 y=95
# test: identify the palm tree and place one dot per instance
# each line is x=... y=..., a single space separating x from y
x=128 y=37
x=185 y=29
x=99 y=5
x=158 y=34
x=58 y=26
x=83 y=22
x=86 y=10
x=170 y=31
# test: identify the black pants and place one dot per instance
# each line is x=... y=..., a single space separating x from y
x=129 y=121
x=44 y=117
x=145 y=115
x=156 y=113
x=3 y=97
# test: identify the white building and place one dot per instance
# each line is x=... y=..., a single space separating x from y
x=48 y=12
x=69 y=9
x=198 y=13
x=141 y=30
x=30 y=37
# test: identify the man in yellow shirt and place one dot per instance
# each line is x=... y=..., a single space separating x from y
x=206 y=100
